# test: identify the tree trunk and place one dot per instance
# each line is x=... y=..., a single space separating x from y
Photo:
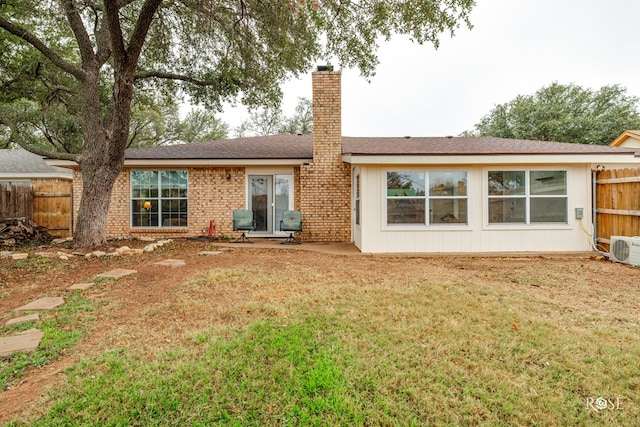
x=103 y=157
x=91 y=226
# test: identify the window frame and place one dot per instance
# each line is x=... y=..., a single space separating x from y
x=427 y=198
x=157 y=201
x=527 y=196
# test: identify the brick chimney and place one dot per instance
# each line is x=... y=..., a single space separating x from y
x=325 y=184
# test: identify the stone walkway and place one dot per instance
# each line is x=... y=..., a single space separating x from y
x=30 y=340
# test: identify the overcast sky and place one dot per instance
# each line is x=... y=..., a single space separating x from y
x=515 y=47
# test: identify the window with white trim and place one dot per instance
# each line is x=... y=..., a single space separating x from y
x=159 y=198
x=426 y=198
x=527 y=197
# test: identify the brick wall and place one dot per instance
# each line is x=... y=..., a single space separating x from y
x=322 y=189
x=211 y=197
x=325 y=184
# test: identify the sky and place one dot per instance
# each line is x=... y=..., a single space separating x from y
x=514 y=48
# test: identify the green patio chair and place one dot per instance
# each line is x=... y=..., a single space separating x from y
x=291 y=222
x=243 y=221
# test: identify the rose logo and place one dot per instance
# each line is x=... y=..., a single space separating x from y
x=601 y=403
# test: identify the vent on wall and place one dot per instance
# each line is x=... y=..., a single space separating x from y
x=625 y=250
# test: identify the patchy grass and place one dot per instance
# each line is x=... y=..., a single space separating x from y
x=415 y=342
x=38 y=264
x=61 y=327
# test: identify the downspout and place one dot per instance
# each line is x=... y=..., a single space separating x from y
x=594 y=207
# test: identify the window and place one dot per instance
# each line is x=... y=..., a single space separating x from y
x=527 y=197
x=446 y=199
x=159 y=198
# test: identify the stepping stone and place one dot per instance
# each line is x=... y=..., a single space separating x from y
x=117 y=273
x=26 y=341
x=47 y=303
x=171 y=263
x=209 y=253
x=22 y=319
x=80 y=286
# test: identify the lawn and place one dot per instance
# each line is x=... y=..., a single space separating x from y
x=265 y=337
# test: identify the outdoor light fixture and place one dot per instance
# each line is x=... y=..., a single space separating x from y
x=227 y=174
x=146 y=205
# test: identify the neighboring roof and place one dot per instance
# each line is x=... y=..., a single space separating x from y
x=20 y=163
x=635 y=134
x=301 y=147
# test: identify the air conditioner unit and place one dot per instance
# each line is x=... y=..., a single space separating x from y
x=625 y=250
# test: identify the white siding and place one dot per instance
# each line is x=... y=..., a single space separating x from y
x=631 y=142
x=477 y=236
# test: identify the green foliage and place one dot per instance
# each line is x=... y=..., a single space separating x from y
x=564 y=113
x=270 y=121
x=152 y=126
x=212 y=51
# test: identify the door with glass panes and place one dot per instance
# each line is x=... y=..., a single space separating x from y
x=269 y=197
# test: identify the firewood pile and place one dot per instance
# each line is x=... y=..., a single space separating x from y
x=17 y=231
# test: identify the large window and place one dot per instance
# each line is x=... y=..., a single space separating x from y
x=159 y=198
x=527 y=197
x=426 y=197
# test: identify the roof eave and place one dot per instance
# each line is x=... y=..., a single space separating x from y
x=25 y=175
x=213 y=162
x=623 y=136
x=490 y=159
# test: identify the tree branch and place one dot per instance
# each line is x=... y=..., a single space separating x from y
x=173 y=76
x=82 y=37
x=140 y=31
x=112 y=13
x=34 y=41
x=50 y=154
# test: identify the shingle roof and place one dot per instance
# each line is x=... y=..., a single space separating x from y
x=301 y=147
x=20 y=161
x=468 y=146
x=262 y=147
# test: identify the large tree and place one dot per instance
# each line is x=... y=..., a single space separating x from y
x=162 y=125
x=270 y=121
x=563 y=113
x=212 y=50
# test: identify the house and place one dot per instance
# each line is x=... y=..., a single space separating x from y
x=628 y=138
x=49 y=191
x=19 y=166
x=401 y=195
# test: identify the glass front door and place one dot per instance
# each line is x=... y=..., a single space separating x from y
x=269 y=197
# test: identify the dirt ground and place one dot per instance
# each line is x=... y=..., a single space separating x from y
x=153 y=286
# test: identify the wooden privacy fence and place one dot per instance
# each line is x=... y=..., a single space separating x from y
x=47 y=202
x=617 y=204
x=16 y=201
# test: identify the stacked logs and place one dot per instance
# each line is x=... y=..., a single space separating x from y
x=17 y=231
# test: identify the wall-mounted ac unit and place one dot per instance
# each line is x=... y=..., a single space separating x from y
x=625 y=250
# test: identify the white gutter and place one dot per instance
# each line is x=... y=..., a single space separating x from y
x=195 y=162
x=523 y=159
x=15 y=176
